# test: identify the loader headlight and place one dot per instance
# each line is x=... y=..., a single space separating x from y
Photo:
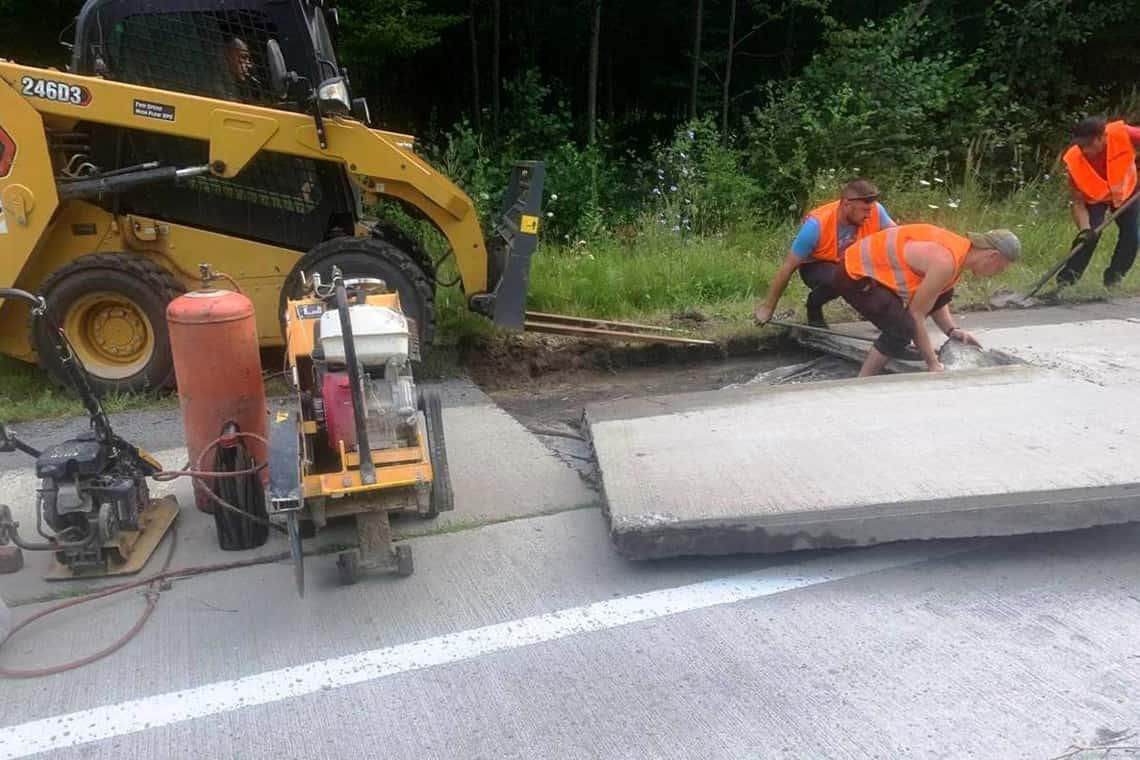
x=334 y=98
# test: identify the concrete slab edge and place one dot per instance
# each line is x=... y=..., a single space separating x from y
x=656 y=406
x=644 y=538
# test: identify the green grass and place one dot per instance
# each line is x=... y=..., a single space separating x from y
x=650 y=274
x=659 y=273
x=27 y=394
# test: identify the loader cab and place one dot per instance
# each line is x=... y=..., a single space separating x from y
x=219 y=49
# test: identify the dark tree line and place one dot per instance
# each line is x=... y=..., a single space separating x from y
x=602 y=88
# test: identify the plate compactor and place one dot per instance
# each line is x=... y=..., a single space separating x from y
x=93 y=506
x=359 y=440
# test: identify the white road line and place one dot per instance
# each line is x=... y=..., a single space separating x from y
x=110 y=721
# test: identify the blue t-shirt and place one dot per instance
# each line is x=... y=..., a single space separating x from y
x=808 y=237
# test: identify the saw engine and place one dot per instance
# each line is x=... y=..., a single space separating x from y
x=389 y=391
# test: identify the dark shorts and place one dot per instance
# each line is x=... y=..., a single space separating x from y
x=882 y=307
x=818 y=274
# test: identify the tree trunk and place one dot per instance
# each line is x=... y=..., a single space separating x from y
x=789 y=37
x=476 y=102
x=496 y=85
x=610 y=80
x=728 y=69
x=696 y=59
x=592 y=88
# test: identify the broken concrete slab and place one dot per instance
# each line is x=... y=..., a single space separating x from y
x=954 y=355
x=999 y=451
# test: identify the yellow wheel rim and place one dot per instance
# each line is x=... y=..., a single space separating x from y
x=110 y=334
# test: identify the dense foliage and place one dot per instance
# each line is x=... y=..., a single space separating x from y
x=972 y=92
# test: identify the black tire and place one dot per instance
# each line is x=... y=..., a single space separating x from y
x=370 y=257
x=147 y=286
x=442 y=497
x=390 y=233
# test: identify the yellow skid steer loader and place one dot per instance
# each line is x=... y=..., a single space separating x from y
x=219 y=131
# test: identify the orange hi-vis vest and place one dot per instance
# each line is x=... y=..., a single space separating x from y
x=881 y=258
x=1120 y=160
x=827 y=249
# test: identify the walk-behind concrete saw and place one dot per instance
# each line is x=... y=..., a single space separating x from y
x=359 y=441
x=93 y=495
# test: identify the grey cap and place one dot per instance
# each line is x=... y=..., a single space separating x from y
x=1003 y=241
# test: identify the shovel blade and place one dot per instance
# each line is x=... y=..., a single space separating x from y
x=1007 y=299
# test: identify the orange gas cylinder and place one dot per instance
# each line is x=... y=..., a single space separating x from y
x=213 y=337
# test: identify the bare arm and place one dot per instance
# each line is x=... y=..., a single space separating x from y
x=1079 y=210
x=790 y=264
x=936 y=265
x=944 y=319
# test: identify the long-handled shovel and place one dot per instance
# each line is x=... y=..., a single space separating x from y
x=1002 y=299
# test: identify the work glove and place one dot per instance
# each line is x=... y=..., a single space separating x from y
x=1085 y=239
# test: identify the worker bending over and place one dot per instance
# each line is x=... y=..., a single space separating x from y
x=826 y=232
x=899 y=276
x=1102 y=175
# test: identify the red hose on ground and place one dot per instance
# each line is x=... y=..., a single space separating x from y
x=155 y=582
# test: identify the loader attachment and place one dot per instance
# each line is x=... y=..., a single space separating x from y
x=510 y=247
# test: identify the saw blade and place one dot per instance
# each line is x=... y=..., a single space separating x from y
x=294 y=522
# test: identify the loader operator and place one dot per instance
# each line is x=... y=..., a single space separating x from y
x=1102 y=175
x=827 y=231
x=240 y=83
x=898 y=277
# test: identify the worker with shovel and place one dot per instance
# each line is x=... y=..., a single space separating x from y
x=826 y=232
x=1102 y=175
x=898 y=277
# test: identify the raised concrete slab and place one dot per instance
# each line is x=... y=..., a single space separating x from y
x=499 y=470
x=851 y=463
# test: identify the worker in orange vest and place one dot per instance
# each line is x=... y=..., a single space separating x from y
x=826 y=232
x=1102 y=175
x=898 y=277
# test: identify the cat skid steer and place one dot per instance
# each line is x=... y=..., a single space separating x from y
x=218 y=131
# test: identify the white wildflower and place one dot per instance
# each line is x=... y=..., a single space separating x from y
x=485 y=196
x=924 y=183
x=938 y=180
x=931 y=205
x=952 y=204
x=549 y=214
x=672 y=188
x=554 y=196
